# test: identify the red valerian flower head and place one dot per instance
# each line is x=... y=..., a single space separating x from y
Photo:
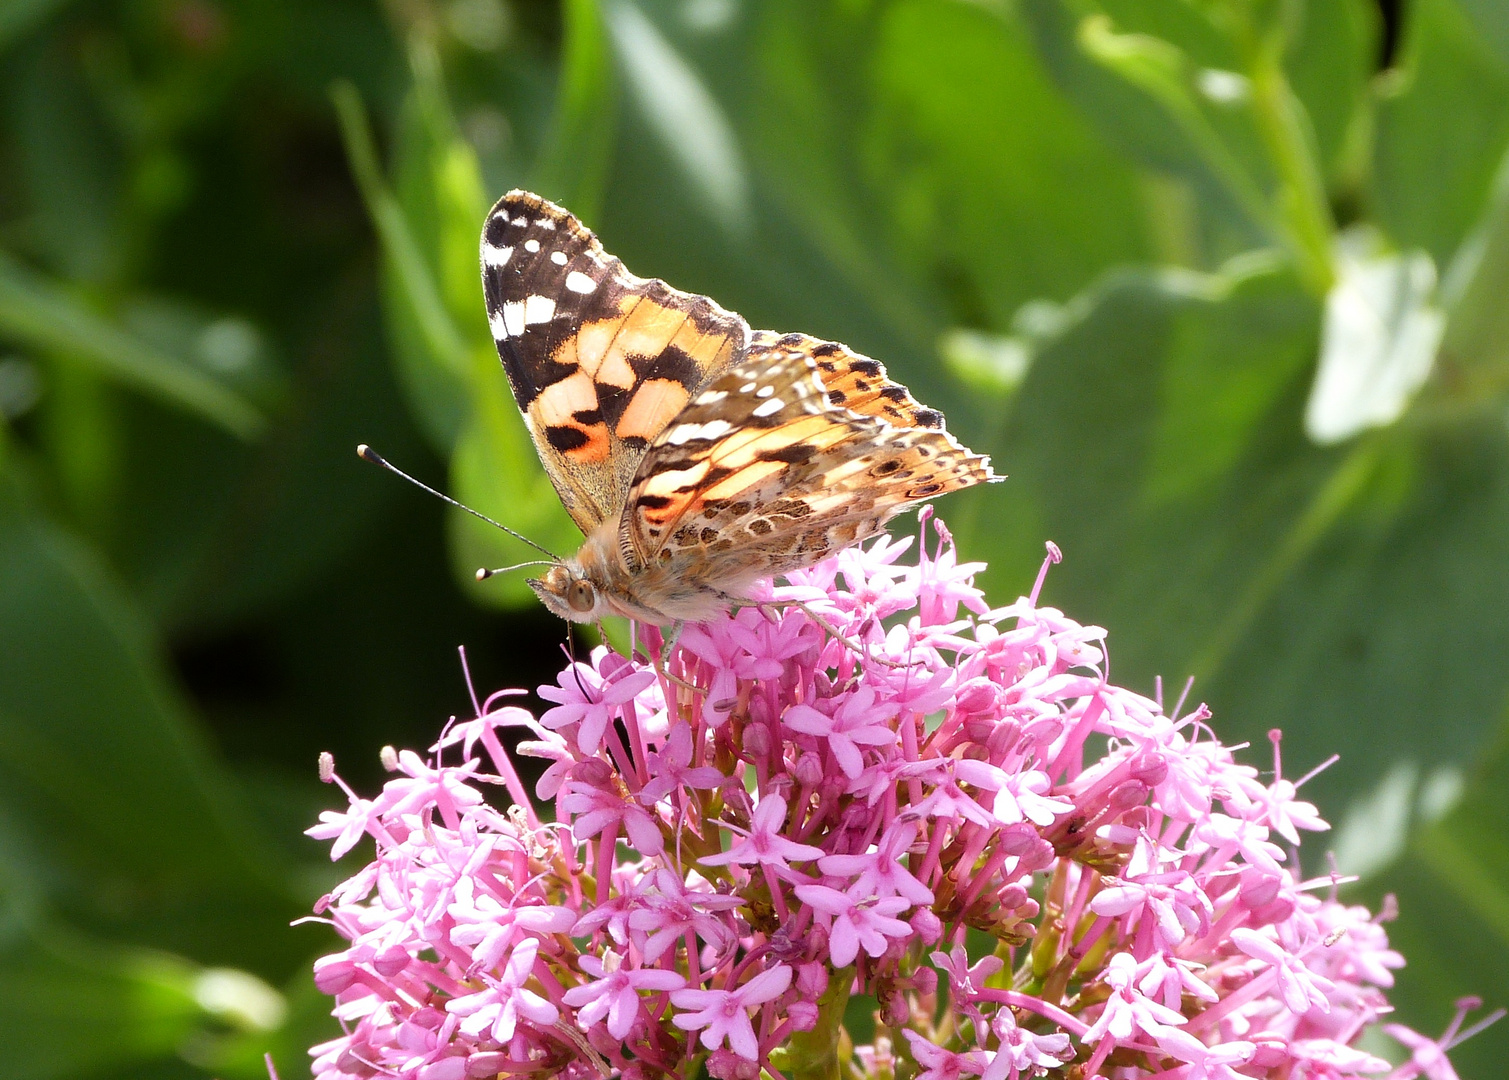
x=773 y=820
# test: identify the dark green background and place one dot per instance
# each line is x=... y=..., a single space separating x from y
x=237 y=237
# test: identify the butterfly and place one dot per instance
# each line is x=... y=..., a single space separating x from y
x=695 y=454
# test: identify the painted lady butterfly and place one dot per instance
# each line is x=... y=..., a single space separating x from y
x=696 y=455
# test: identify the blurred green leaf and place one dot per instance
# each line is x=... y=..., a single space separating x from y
x=1144 y=95
x=41 y=314
x=71 y=1008
x=1297 y=582
x=435 y=372
x=1442 y=129
x=17 y=17
x=1452 y=885
x=71 y=163
x=958 y=93
x=1330 y=61
x=129 y=820
x=1473 y=291
x=1491 y=21
x=573 y=167
x=679 y=109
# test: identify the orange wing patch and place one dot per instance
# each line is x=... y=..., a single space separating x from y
x=600 y=361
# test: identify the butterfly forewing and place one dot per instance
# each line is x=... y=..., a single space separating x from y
x=600 y=361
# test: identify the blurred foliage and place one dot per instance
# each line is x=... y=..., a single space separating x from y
x=1218 y=282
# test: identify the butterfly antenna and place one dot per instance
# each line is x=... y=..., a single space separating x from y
x=484 y=573
x=366 y=453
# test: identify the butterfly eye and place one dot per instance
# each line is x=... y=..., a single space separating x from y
x=582 y=596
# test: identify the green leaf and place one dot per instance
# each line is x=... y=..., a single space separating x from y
x=1330 y=60
x=573 y=167
x=19 y=17
x=70 y=1007
x=676 y=105
x=1143 y=92
x=126 y=818
x=958 y=92
x=1452 y=886
x=1441 y=132
x=42 y=315
x=432 y=351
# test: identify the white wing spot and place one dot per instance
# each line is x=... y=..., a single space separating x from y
x=765 y=391
x=496 y=256
x=544 y=223
x=513 y=319
x=686 y=432
x=579 y=282
x=498 y=325
x=531 y=245
x=538 y=309
x=768 y=408
x=558 y=257
x=747 y=388
x=711 y=397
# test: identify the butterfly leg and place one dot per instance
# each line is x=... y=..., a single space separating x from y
x=663 y=655
x=854 y=646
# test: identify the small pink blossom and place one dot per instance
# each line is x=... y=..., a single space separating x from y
x=723 y=1015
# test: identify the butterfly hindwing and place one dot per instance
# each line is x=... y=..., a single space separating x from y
x=600 y=361
x=765 y=471
x=852 y=380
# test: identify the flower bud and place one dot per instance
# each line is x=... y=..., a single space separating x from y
x=976 y=696
x=756 y=741
x=391 y=961
x=977 y=729
x=1018 y=839
x=1150 y=768
x=812 y=979
x=594 y=772
x=896 y=1011
x=1003 y=739
x=1012 y=896
x=1127 y=794
x=925 y=979
x=726 y=1065
x=1259 y=889
x=487 y=1063
x=928 y=926
x=804 y=1015
x=809 y=769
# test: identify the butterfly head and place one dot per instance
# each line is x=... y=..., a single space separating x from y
x=570 y=592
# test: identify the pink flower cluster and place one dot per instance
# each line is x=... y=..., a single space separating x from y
x=776 y=829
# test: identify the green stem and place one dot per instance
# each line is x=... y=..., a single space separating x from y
x=1303 y=207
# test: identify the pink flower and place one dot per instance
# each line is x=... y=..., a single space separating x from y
x=723 y=1015
x=940 y=1064
x=865 y=923
x=1022 y=1052
x=498 y=1009
x=765 y=846
x=1302 y=989
x=670 y=768
x=614 y=993
x=858 y=721
x=880 y=873
x=590 y=700
x=1128 y=1010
